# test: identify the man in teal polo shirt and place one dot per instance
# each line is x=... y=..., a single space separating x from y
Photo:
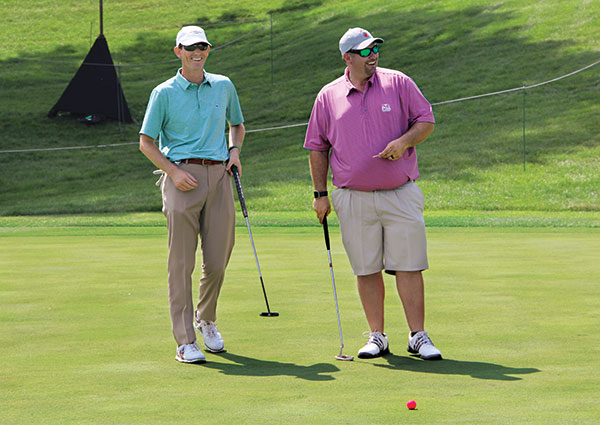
x=188 y=115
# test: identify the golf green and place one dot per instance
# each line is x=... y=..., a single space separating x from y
x=85 y=332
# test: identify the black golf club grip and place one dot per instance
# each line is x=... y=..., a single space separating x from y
x=326 y=232
x=238 y=186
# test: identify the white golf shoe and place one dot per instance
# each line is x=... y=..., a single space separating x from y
x=420 y=344
x=190 y=353
x=376 y=346
x=213 y=341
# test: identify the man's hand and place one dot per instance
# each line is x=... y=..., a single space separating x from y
x=393 y=151
x=322 y=207
x=183 y=180
x=234 y=159
x=415 y=135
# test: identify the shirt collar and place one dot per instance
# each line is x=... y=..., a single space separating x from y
x=350 y=86
x=184 y=83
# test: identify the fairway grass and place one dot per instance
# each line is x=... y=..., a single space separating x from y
x=85 y=332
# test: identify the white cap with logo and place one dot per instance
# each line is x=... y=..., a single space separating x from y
x=191 y=35
x=356 y=39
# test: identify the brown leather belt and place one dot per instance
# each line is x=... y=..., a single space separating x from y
x=201 y=161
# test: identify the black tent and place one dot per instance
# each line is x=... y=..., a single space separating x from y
x=95 y=90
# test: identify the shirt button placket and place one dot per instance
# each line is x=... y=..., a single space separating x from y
x=198 y=98
x=364 y=115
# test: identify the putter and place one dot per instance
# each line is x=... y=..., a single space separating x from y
x=238 y=185
x=339 y=356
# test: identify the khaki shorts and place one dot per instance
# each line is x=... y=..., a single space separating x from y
x=383 y=229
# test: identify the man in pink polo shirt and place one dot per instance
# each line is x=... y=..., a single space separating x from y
x=366 y=124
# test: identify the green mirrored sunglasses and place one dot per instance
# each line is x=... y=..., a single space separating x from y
x=366 y=51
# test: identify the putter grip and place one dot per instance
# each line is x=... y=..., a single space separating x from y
x=326 y=232
x=238 y=186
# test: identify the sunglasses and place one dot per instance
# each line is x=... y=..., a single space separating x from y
x=191 y=48
x=366 y=51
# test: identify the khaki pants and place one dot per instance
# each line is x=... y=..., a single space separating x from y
x=207 y=211
x=383 y=229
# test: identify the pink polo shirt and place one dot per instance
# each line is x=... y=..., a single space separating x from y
x=356 y=126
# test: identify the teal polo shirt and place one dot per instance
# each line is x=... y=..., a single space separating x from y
x=189 y=120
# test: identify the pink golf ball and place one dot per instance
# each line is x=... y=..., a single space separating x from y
x=412 y=405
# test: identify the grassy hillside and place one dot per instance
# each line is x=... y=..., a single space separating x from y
x=453 y=49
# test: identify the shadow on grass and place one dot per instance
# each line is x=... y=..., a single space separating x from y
x=479 y=370
x=247 y=366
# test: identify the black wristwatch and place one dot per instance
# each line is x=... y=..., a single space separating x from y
x=320 y=194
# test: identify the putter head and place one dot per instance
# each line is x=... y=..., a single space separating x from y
x=269 y=314
x=344 y=357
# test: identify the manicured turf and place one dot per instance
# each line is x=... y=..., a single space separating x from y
x=512 y=294
x=85 y=332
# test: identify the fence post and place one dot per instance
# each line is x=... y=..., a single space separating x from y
x=119 y=105
x=271 y=15
x=524 y=149
x=101 y=19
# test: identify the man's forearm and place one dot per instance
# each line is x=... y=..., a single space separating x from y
x=416 y=134
x=319 y=167
x=183 y=180
x=149 y=149
x=236 y=135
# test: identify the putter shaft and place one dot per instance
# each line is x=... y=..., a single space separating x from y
x=238 y=186
x=337 y=309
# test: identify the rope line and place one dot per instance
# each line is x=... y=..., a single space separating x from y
x=517 y=88
x=276 y=128
x=137 y=64
x=65 y=148
x=258 y=130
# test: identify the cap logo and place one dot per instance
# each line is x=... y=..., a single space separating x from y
x=365 y=34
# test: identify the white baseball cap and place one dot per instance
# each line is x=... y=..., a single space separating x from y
x=356 y=39
x=191 y=35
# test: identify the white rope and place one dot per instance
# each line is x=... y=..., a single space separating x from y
x=134 y=143
x=276 y=128
x=137 y=64
x=516 y=88
x=258 y=130
x=66 y=148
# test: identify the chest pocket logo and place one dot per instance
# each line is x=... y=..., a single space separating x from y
x=386 y=108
